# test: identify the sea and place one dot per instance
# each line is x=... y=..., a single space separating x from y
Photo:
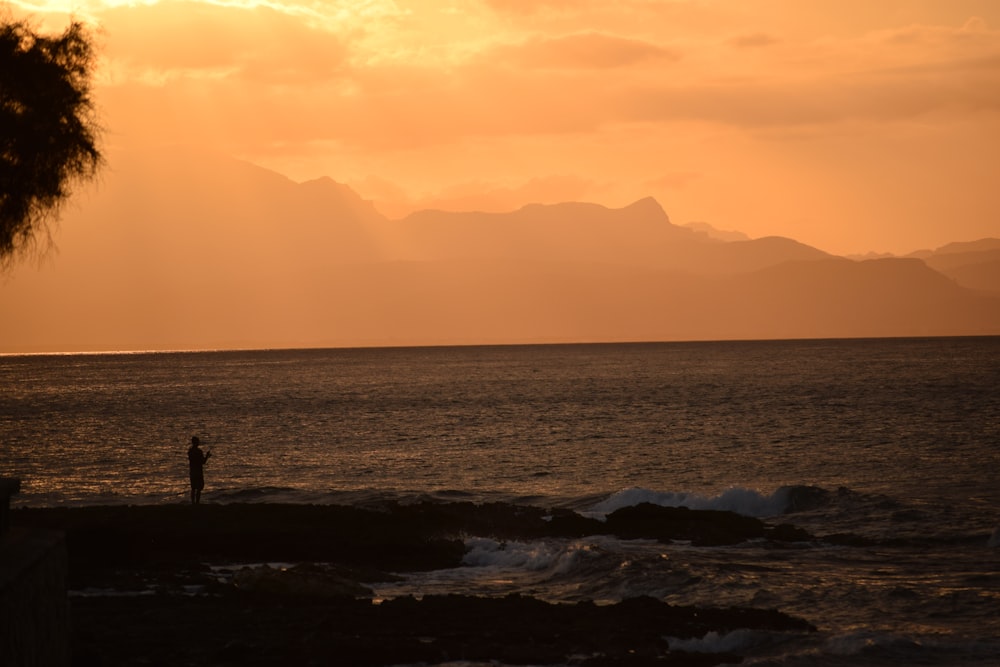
x=886 y=450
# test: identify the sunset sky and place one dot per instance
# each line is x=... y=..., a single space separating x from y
x=849 y=125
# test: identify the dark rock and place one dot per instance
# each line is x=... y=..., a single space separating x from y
x=310 y=614
x=253 y=631
x=701 y=527
x=802 y=498
x=305 y=579
x=788 y=533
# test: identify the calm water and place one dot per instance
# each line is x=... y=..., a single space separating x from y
x=904 y=435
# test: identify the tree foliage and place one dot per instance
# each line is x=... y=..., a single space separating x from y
x=48 y=131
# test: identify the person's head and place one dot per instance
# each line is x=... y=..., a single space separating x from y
x=195 y=441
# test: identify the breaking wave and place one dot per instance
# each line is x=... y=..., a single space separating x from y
x=735 y=641
x=748 y=502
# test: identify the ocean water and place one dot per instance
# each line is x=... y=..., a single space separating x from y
x=895 y=443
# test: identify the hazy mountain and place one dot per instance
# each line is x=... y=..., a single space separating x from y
x=717 y=234
x=959 y=247
x=880 y=297
x=980 y=275
x=186 y=250
x=638 y=235
x=973 y=264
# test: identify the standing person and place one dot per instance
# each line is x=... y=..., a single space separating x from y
x=196 y=461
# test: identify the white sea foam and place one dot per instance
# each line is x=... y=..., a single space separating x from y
x=748 y=502
x=716 y=642
x=559 y=557
x=884 y=648
x=485 y=552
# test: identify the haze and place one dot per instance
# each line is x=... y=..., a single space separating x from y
x=849 y=126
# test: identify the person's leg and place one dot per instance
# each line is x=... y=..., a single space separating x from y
x=197 y=484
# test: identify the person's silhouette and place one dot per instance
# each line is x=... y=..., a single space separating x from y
x=196 y=461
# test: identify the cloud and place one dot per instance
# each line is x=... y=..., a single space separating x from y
x=871 y=98
x=530 y=7
x=753 y=40
x=879 y=77
x=973 y=33
x=590 y=50
x=261 y=76
x=192 y=38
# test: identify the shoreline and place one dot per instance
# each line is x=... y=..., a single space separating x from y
x=191 y=600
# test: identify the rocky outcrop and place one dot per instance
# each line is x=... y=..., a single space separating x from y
x=171 y=607
x=251 y=630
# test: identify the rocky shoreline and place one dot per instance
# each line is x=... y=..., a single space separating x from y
x=168 y=585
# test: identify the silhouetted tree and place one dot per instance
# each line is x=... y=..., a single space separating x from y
x=48 y=132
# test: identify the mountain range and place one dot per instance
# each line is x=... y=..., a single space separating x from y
x=173 y=250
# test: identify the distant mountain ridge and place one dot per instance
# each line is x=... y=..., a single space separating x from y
x=638 y=235
x=717 y=234
x=972 y=264
x=178 y=251
x=959 y=247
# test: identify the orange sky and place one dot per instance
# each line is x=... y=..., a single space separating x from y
x=849 y=125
